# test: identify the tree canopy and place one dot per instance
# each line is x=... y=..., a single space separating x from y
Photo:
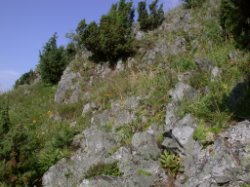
x=52 y=61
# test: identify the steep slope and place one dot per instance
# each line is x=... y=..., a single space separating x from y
x=126 y=107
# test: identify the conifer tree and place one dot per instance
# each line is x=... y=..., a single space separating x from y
x=52 y=61
x=112 y=39
x=152 y=19
x=143 y=15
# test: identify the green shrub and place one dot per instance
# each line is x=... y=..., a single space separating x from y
x=201 y=134
x=103 y=169
x=245 y=185
x=193 y=3
x=26 y=78
x=33 y=141
x=112 y=39
x=52 y=62
x=143 y=172
x=4 y=118
x=153 y=19
x=170 y=161
x=70 y=51
x=63 y=138
x=183 y=64
x=69 y=111
x=235 y=20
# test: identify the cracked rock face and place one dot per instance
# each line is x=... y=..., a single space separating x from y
x=227 y=162
x=224 y=163
x=69 y=83
x=137 y=162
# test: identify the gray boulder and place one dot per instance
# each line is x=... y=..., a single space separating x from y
x=145 y=145
x=102 y=181
x=204 y=64
x=226 y=163
x=182 y=91
x=93 y=149
x=139 y=35
x=171 y=117
x=137 y=170
x=119 y=114
x=68 y=90
x=215 y=73
x=179 y=138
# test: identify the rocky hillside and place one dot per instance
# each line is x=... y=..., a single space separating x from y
x=159 y=119
x=174 y=115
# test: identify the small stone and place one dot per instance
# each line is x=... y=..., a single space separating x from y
x=182 y=91
x=120 y=66
x=215 y=73
x=203 y=64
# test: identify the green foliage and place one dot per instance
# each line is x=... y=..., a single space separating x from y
x=125 y=133
x=26 y=78
x=69 y=111
x=193 y=3
x=33 y=141
x=63 y=138
x=201 y=134
x=235 y=20
x=170 y=161
x=245 y=185
x=182 y=64
x=153 y=19
x=143 y=172
x=52 y=61
x=70 y=52
x=102 y=169
x=112 y=39
x=4 y=118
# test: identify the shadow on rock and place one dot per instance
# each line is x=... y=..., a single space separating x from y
x=238 y=101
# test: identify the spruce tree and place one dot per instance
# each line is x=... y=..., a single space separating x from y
x=52 y=61
x=143 y=15
x=152 y=19
x=112 y=39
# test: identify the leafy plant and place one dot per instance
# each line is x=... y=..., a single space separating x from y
x=144 y=172
x=170 y=161
x=103 y=169
x=183 y=64
x=201 y=134
x=125 y=133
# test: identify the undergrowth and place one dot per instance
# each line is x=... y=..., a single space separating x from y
x=35 y=141
x=103 y=169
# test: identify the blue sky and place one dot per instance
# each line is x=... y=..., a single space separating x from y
x=26 y=25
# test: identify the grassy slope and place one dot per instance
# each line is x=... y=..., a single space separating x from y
x=35 y=141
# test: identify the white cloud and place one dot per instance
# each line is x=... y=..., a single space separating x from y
x=7 y=79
